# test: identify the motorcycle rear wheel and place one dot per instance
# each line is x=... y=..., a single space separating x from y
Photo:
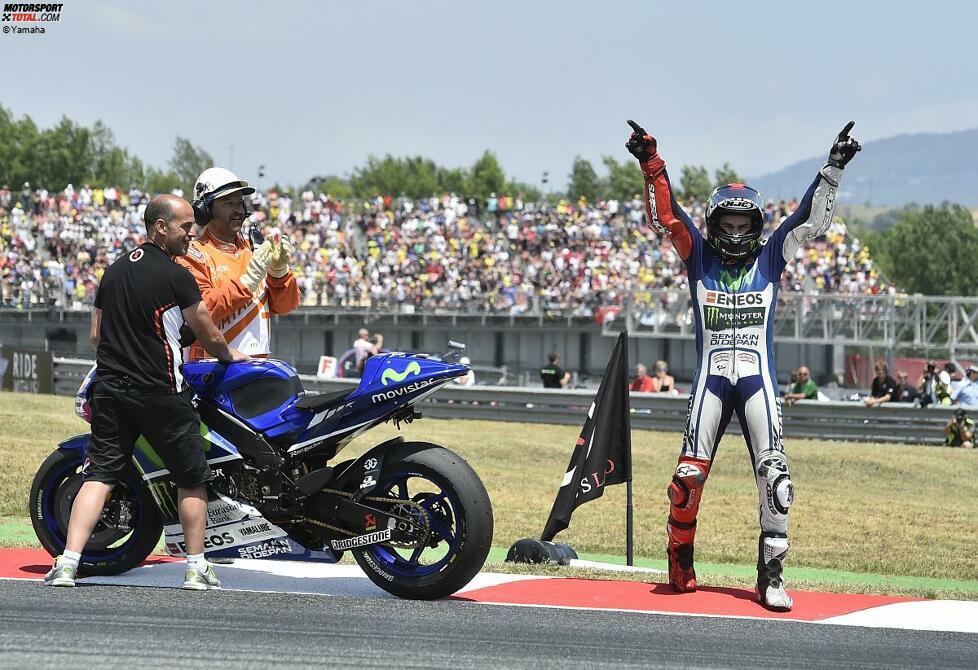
x=459 y=511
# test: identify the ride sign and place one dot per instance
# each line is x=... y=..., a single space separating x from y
x=26 y=370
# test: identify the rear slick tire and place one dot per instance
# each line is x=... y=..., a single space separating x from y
x=465 y=523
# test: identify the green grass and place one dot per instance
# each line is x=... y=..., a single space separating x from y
x=890 y=510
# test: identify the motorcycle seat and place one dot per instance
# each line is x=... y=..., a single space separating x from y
x=317 y=402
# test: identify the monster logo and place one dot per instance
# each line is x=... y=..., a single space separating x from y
x=392 y=375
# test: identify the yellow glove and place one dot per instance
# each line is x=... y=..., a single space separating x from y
x=281 y=257
x=257 y=267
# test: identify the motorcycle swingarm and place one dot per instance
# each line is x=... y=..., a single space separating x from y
x=362 y=517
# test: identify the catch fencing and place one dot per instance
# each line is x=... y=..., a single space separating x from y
x=809 y=419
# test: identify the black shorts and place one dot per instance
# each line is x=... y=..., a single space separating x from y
x=169 y=422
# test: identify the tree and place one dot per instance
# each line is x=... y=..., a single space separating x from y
x=380 y=176
x=625 y=179
x=158 y=181
x=930 y=251
x=584 y=181
x=62 y=155
x=420 y=177
x=333 y=186
x=695 y=182
x=487 y=176
x=726 y=175
x=188 y=162
x=528 y=192
x=454 y=180
x=16 y=139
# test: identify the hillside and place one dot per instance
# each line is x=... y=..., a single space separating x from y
x=922 y=168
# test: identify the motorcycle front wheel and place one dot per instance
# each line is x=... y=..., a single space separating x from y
x=456 y=508
x=127 y=532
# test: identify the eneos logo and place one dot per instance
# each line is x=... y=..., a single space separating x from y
x=734 y=299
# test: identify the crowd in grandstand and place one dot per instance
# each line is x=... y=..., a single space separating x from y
x=438 y=254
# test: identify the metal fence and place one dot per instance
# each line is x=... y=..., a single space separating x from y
x=909 y=321
x=649 y=411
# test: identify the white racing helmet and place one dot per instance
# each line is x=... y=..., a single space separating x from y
x=214 y=183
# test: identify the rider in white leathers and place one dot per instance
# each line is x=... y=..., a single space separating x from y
x=733 y=280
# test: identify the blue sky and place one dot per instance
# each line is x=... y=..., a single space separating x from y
x=313 y=88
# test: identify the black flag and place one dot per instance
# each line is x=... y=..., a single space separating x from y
x=603 y=455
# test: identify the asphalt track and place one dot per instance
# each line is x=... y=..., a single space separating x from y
x=112 y=626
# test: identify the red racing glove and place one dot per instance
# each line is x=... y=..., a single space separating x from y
x=643 y=146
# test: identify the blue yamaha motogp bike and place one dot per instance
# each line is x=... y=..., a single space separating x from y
x=415 y=516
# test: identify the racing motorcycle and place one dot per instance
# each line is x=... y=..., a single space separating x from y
x=415 y=516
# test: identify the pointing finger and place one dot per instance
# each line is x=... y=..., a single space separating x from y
x=637 y=128
x=845 y=131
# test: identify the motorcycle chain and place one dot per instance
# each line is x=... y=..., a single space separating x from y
x=394 y=501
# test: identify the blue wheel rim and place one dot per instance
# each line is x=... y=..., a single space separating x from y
x=396 y=485
x=49 y=505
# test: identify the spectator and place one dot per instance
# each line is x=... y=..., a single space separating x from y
x=364 y=347
x=642 y=383
x=884 y=387
x=960 y=431
x=952 y=370
x=966 y=394
x=663 y=382
x=943 y=389
x=927 y=385
x=467 y=379
x=429 y=254
x=554 y=376
x=803 y=389
x=904 y=391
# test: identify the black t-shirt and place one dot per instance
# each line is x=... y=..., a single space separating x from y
x=141 y=297
x=886 y=386
x=905 y=394
x=552 y=376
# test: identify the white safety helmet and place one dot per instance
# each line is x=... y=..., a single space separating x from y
x=214 y=183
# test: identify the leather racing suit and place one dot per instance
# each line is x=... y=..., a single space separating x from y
x=734 y=307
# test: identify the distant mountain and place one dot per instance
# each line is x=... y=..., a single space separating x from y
x=927 y=168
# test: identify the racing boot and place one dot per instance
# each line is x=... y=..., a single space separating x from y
x=684 y=493
x=772 y=550
x=682 y=576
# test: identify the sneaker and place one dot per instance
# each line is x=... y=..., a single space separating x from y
x=682 y=575
x=64 y=575
x=194 y=581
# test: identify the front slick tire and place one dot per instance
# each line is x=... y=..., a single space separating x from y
x=110 y=551
x=461 y=515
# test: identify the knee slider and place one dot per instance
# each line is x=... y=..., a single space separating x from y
x=778 y=489
x=686 y=488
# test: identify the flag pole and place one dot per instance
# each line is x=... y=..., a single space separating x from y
x=629 y=559
x=629 y=554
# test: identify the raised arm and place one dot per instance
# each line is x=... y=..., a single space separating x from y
x=663 y=212
x=814 y=215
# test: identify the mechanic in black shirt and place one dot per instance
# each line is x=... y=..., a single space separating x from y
x=884 y=387
x=554 y=376
x=143 y=300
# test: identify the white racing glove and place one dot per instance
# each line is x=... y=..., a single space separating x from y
x=281 y=257
x=257 y=267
